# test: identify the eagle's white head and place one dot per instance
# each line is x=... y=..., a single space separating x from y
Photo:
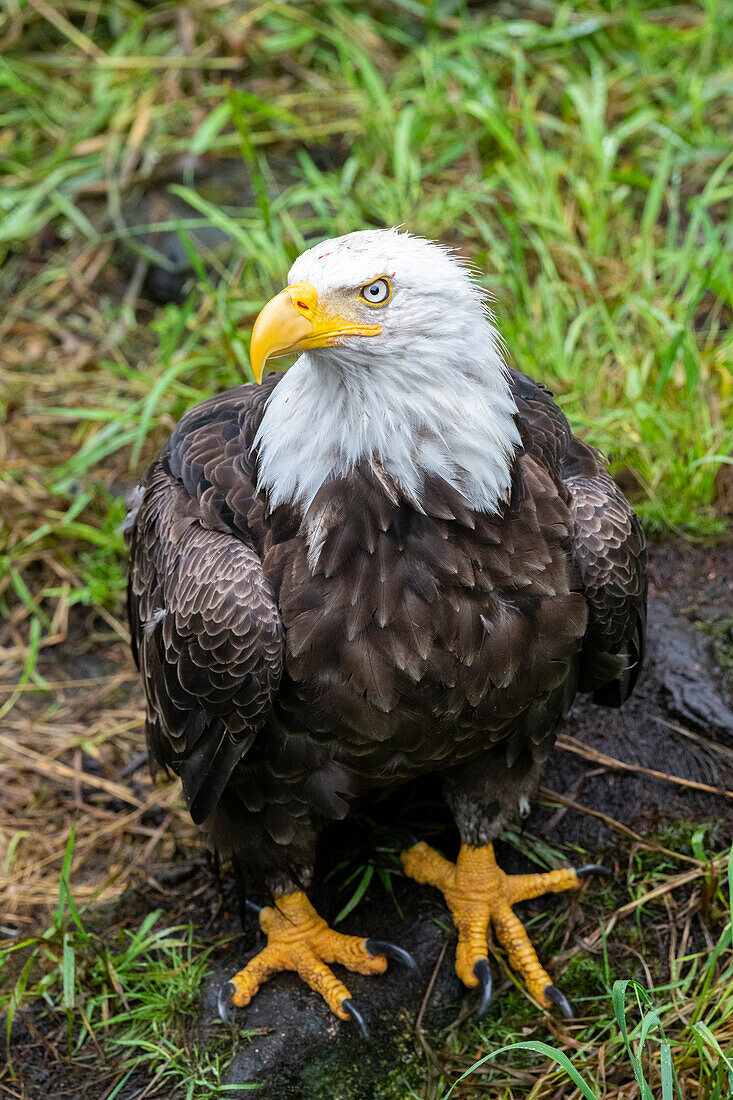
x=401 y=366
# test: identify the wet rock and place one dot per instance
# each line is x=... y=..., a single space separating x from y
x=677 y=691
x=302 y=1050
x=683 y=667
x=226 y=183
x=169 y=276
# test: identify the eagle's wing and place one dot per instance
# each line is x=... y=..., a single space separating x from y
x=206 y=631
x=610 y=551
x=609 y=548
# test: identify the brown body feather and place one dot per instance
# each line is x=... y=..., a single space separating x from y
x=417 y=638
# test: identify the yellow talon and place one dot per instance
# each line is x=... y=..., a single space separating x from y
x=299 y=939
x=479 y=893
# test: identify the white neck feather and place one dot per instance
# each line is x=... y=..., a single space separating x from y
x=436 y=407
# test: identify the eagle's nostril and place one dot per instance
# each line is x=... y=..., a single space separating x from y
x=304 y=306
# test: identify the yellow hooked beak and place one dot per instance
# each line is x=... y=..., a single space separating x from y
x=294 y=320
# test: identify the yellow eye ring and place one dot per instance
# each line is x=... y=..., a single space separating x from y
x=376 y=293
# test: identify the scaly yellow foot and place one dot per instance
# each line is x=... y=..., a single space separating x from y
x=478 y=893
x=299 y=939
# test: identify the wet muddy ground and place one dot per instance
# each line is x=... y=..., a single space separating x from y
x=679 y=722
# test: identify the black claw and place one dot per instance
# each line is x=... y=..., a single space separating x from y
x=356 y=1016
x=482 y=971
x=593 y=869
x=227 y=990
x=392 y=951
x=553 y=994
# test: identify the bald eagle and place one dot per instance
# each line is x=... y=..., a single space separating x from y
x=393 y=559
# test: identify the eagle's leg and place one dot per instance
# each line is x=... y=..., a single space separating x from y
x=480 y=896
x=484 y=795
x=301 y=940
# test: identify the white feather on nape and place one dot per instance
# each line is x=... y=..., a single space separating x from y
x=429 y=396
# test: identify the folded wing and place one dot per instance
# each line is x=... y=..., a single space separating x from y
x=206 y=635
x=608 y=546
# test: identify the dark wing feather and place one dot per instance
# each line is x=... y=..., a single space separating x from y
x=610 y=551
x=608 y=546
x=206 y=630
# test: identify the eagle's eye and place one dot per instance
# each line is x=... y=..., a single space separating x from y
x=376 y=293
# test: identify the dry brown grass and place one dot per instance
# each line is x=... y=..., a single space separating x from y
x=65 y=762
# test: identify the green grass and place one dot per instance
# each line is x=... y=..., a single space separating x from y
x=579 y=155
x=131 y=1002
x=133 y=995
x=672 y=1038
x=635 y=1040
